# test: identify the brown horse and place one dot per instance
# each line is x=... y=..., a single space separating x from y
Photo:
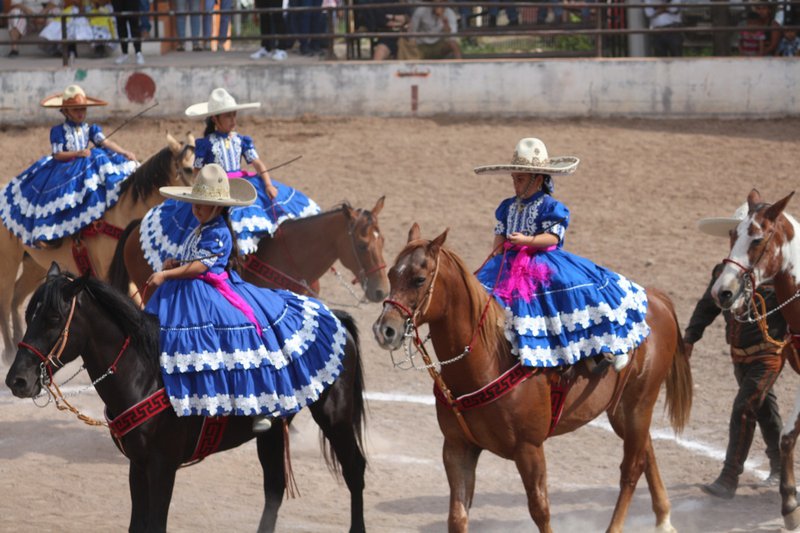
x=300 y=252
x=766 y=248
x=172 y=165
x=430 y=284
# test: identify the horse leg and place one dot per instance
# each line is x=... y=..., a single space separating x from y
x=160 y=482
x=788 y=489
x=635 y=433
x=270 y=447
x=137 y=481
x=460 y=461
x=11 y=253
x=532 y=468
x=658 y=492
x=32 y=275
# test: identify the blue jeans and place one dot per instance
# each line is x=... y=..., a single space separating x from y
x=541 y=17
x=224 y=20
x=194 y=20
x=144 y=23
x=309 y=23
x=511 y=12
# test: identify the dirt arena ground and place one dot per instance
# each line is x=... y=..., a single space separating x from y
x=635 y=200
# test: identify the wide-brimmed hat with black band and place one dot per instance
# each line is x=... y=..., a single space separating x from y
x=219 y=101
x=722 y=226
x=73 y=96
x=212 y=187
x=531 y=156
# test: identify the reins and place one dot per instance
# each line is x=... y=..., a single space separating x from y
x=53 y=360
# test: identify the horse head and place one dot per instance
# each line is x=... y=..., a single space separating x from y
x=362 y=254
x=52 y=338
x=762 y=247
x=412 y=300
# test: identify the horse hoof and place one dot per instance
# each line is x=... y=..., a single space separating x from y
x=792 y=520
x=665 y=526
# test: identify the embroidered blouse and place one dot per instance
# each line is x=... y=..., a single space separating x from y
x=541 y=213
x=73 y=137
x=226 y=150
x=210 y=243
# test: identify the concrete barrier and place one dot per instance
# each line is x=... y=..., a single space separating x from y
x=641 y=87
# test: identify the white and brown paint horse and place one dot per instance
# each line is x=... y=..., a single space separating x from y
x=172 y=165
x=765 y=247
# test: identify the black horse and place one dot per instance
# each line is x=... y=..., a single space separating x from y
x=87 y=317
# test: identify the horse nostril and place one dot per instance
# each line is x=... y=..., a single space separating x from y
x=389 y=333
x=379 y=295
x=725 y=296
x=19 y=384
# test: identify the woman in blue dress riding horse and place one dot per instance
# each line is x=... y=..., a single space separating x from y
x=229 y=347
x=72 y=187
x=560 y=307
x=166 y=226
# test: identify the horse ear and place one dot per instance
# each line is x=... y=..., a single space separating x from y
x=414 y=233
x=76 y=286
x=378 y=206
x=773 y=212
x=439 y=241
x=753 y=199
x=54 y=271
x=173 y=144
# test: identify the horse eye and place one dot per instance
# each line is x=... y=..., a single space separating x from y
x=757 y=242
x=363 y=247
x=419 y=281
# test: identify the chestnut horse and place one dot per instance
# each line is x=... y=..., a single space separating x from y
x=431 y=285
x=70 y=318
x=172 y=165
x=300 y=252
x=766 y=248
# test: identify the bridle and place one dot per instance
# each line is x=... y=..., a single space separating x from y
x=362 y=277
x=51 y=363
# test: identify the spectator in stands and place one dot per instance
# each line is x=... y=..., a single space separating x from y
x=77 y=27
x=511 y=13
x=271 y=24
x=668 y=43
x=144 y=20
x=752 y=37
x=309 y=23
x=18 y=27
x=103 y=28
x=789 y=45
x=224 y=23
x=128 y=25
x=393 y=19
x=545 y=16
x=436 y=18
x=764 y=17
x=194 y=24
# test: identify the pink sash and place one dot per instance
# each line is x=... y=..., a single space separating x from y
x=524 y=275
x=239 y=174
x=218 y=281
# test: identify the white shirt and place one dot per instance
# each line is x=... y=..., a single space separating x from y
x=670 y=17
x=423 y=20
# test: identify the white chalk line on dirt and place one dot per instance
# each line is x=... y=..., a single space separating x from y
x=696 y=447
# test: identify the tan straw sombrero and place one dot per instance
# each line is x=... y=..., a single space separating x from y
x=73 y=96
x=212 y=187
x=531 y=156
x=219 y=101
x=722 y=226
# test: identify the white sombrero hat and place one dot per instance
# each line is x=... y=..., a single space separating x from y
x=73 y=96
x=219 y=101
x=212 y=187
x=722 y=226
x=531 y=156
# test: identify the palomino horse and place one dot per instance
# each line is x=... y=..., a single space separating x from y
x=172 y=165
x=430 y=284
x=301 y=251
x=766 y=248
x=84 y=317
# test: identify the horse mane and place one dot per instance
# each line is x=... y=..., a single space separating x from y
x=152 y=174
x=339 y=207
x=141 y=327
x=492 y=334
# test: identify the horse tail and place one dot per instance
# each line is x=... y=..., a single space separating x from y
x=679 y=379
x=118 y=276
x=356 y=416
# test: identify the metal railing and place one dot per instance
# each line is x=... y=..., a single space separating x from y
x=608 y=23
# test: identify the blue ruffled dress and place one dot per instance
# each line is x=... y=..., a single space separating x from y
x=213 y=360
x=54 y=199
x=573 y=308
x=167 y=225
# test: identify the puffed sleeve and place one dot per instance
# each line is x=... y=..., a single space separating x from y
x=248 y=149
x=554 y=218
x=96 y=134
x=57 y=138
x=202 y=153
x=501 y=214
x=214 y=245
